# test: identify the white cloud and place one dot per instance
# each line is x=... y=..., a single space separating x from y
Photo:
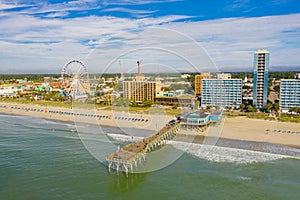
x=26 y=37
x=133 y=12
x=232 y=41
x=60 y=9
x=40 y=43
x=4 y=6
x=48 y=9
x=135 y=2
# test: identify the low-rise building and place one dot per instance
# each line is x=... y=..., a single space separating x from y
x=198 y=118
x=185 y=76
x=180 y=101
x=223 y=76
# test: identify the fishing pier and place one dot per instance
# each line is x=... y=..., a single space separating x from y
x=129 y=157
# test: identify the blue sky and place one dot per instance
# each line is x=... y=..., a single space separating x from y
x=39 y=36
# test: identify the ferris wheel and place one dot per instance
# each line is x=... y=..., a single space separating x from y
x=75 y=80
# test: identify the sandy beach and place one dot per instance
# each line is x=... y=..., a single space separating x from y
x=243 y=128
x=238 y=128
x=88 y=115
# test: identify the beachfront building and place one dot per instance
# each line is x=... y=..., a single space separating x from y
x=140 y=89
x=223 y=93
x=181 y=101
x=215 y=116
x=289 y=94
x=194 y=119
x=198 y=118
x=260 y=78
x=198 y=82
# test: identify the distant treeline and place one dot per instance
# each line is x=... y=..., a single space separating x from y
x=40 y=77
x=30 y=77
x=276 y=75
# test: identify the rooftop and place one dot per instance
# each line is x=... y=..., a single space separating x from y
x=261 y=51
x=196 y=114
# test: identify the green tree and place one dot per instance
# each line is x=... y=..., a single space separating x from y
x=296 y=109
x=167 y=89
x=242 y=107
x=247 y=87
x=208 y=107
x=277 y=88
x=234 y=103
x=134 y=104
x=277 y=107
x=268 y=107
x=229 y=108
x=249 y=108
x=176 y=105
x=110 y=84
x=147 y=103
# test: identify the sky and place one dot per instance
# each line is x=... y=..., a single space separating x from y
x=39 y=36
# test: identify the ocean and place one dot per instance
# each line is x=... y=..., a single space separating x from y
x=42 y=159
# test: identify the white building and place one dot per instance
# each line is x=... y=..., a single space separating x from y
x=289 y=94
x=223 y=76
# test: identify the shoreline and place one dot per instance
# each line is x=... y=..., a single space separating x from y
x=111 y=118
x=198 y=139
x=253 y=130
x=238 y=128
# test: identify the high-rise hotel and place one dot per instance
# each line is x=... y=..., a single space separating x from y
x=289 y=93
x=140 y=89
x=198 y=82
x=221 y=92
x=260 y=78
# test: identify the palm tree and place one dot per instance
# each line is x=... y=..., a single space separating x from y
x=242 y=107
x=234 y=103
x=249 y=108
x=268 y=107
x=296 y=109
x=277 y=107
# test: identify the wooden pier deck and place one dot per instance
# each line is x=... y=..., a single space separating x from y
x=130 y=156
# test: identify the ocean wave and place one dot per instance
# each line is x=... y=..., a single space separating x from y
x=215 y=153
x=40 y=121
x=124 y=138
x=225 y=154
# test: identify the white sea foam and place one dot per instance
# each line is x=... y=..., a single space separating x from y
x=124 y=138
x=39 y=120
x=243 y=178
x=215 y=153
x=225 y=154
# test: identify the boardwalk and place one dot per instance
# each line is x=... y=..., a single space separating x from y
x=130 y=156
